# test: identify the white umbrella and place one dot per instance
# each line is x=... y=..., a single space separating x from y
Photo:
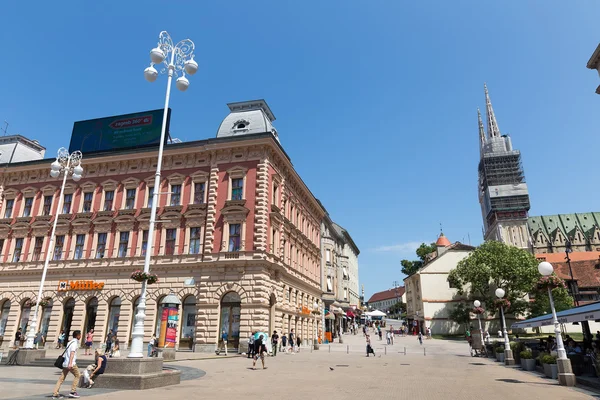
x=376 y=313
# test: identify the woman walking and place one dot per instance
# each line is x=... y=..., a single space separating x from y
x=89 y=341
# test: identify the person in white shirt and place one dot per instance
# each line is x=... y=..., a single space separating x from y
x=69 y=365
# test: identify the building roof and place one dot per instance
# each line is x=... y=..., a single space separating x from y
x=594 y=59
x=246 y=118
x=387 y=295
x=443 y=241
x=344 y=233
x=567 y=224
x=586 y=272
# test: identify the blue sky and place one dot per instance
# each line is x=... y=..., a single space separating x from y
x=375 y=101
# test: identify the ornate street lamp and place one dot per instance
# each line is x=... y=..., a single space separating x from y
x=565 y=372
x=67 y=164
x=178 y=60
x=477 y=304
x=508 y=355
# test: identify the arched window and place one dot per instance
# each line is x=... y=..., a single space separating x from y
x=68 y=310
x=114 y=313
x=231 y=305
x=25 y=313
x=188 y=323
x=46 y=314
x=91 y=310
x=4 y=310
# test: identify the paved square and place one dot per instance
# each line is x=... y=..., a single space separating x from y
x=341 y=371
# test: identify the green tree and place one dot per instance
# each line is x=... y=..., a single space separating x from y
x=410 y=267
x=541 y=303
x=397 y=308
x=460 y=314
x=493 y=265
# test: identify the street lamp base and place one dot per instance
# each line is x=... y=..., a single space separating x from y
x=508 y=357
x=565 y=373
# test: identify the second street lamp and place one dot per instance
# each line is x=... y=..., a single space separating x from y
x=565 y=371
x=67 y=164
x=508 y=355
x=477 y=304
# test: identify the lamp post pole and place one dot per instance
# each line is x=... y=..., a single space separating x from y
x=508 y=354
x=180 y=61
x=477 y=304
x=67 y=164
x=565 y=371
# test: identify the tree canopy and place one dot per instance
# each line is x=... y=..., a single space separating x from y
x=541 y=303
x=410 y=267
x=461 y=314
x=496 y=265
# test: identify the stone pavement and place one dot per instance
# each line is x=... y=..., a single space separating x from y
x=446 y=372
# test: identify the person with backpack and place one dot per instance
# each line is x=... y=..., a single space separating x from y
x=69 y=365
x=251 y=345
x=275 y=342
x=260 y=349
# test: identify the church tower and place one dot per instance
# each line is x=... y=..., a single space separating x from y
x=503 y=193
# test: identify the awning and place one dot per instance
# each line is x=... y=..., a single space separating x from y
x=576 y=314
x=349 y=314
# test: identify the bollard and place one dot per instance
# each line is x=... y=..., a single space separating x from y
x=405 y=351
x=385 y=351
x=347 y=349
x=311 y=348
x=424 y=351
x=330 y=348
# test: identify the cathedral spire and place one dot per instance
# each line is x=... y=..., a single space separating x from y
x=492 y=125
x=481 y=129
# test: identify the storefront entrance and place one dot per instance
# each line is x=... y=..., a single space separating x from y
x=188 y=323
x=69 y=309
x=114 y=313
x=91 y=311
x=46 y=314
x=25 y=313
x=231 y=306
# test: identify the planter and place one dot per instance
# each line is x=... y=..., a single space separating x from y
x=500 y=357
x=528 y=364
x=550 y=370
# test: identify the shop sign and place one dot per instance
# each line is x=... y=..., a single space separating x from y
x=304 y=310
x=63 y=286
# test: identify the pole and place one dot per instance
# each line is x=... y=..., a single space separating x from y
x=560 y=348
x=34 y=322
x=137 y=341
x=506 y=340
x=480 y=330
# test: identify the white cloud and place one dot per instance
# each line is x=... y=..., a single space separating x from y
x=407 y=247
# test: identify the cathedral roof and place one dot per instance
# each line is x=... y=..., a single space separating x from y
x=567 y=224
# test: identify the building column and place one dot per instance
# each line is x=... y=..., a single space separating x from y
x=262 y=204
x=207 y=326
x=211 y=207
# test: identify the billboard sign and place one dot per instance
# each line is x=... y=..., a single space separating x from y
x=119 y=132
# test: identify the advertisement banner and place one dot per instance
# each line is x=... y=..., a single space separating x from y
x=172 y=320
x=119 y=132
x=163 y=327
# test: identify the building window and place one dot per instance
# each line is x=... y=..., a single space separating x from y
x=329 y=286
x=123 y=243
x=28 y=206
x=130 y=199
x=18 y=250
x=150 y=196
x=345 y=293
x=170 y=242
x=144 y=242
x=328 y=255
x=175 y=195
x=194 y=240
x=275 y=194
x=1 y=245
x=79 y=242
x=199 y=189
x=109 y=196
x=37 y=248
x=47 y=205
x=234 y=237
x=237 y=188
x=68 y=199
x=58 y=247
x=87 y=201
x=101 y=246
x=9 y=208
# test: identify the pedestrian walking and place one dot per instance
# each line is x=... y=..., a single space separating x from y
x=291 y=338
x=298 y=343
x=387 y=337
x=369 y=347
x=392 y=336
x=89 y=341
x=251 y=345
x=284 y=343
x=223 y=342
x=260 y=348
x=39 y=339
x=380 y=333
x=109 y=343
x=275 y=342
x=151 y=346
x=69 y=366
x=61 y=339
x=18 y=336
x=420 y=338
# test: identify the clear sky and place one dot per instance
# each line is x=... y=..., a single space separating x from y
x=375 y=100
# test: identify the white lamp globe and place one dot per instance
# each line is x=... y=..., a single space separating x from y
x=191 y=67
x=76 y=177
x=500 y=293
x=78 y=170
x=150 y=74
x=55 y=166
x=477 y=303
x=157 y=55
x=316 y=306
x=182 y=83
x=54 y=173
x=545 y=268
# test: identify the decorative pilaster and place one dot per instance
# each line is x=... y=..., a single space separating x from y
x=211 y=208
x=262 y=205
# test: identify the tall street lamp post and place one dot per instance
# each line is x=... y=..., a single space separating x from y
x=178 y=60
x=477 y=304
x=565 y=371
x=508 y=355
x=67 y=164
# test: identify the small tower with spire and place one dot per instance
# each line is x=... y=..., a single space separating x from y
x=503 y=193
